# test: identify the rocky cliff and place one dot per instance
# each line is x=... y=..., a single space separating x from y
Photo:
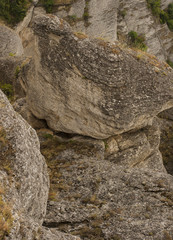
x=99 y=101
x=114 y=19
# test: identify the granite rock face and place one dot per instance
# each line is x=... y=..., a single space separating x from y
x=137 y=17
x=24 y=181
x=111 y=189
x=91 y=87
x=11 y=50
x=95 y=18
x=10 y=43
x=107 y=19
x=23 y=173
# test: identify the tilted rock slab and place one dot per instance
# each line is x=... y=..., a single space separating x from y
x=24 y=181
x=91 y=87
x=23 y=173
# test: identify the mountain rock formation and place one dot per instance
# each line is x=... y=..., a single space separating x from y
x=99 y=101
x=119 y=17
x=91 y=87
x=23 y=173
x=24 y=181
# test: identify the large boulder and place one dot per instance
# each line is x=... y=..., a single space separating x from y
x=91 y=87
x=11 y=57
x=10 y=43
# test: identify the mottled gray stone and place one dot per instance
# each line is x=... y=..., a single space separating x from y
x=10 y=43
x=23 y=172
x=91 y=87
x=101 y=196
x=138 y=17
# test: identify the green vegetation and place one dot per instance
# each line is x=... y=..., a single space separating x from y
x=123 y=13
x=86 y=13
x=7 y=90
x=155 y=6
x=48 y=5
x=170 y=63
x=165 y=16
x=17 y=71
x=13 y=11
x=137 y=41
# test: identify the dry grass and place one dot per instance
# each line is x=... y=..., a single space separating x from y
x=80 y=35
x=6 y=153
x=6 y=220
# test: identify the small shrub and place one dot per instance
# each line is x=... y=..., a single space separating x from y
x=123 y=13
x=48 y=5
x=163 y=17
x=17 y=71
x=170 y=11
x=12 y=54
x=155 y=6
x=13 y=11
x=170 y=63
x=86 y=15
x=7 y=90
x=73 y=17
x=137 y=41
x=170 y=24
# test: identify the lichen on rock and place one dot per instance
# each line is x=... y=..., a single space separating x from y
x=92 y=87
x=23 y=172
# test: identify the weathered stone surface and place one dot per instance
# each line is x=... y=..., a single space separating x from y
x=53 y=234
x=107 y=18
x=95 y=196
x=91 y=87
x=166 y=143
x=21 y=107
x=23 y=173
x=95 y=18
x=11 y=50
x=10 y=43
x=165 y=3
x=137 y=17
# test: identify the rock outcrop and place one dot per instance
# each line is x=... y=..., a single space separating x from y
x=116 y=189
x=11 y=50
x=23 y=174
x=137 y=17
x=10 y=43
x=91 y=87
x=24 y=181
x=109 y=182
x=118 y=17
